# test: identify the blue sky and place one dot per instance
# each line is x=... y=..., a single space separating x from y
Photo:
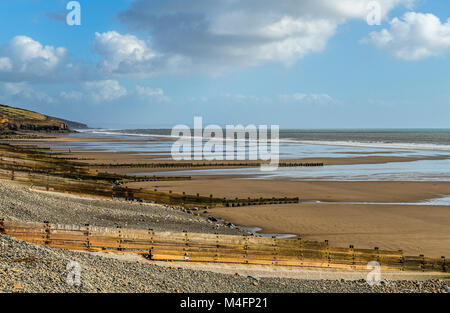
x=298 y=64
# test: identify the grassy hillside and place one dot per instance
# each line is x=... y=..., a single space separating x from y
x=15 y=119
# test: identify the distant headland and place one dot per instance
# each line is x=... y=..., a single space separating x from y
x=14 y=120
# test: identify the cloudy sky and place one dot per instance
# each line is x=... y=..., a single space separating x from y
x=295 y=63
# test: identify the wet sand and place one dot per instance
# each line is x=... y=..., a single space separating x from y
x=96 y=155
x=373 y=159
x=331 y=191
x=413 y=229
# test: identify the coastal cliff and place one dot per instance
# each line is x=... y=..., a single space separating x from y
x=14 y=120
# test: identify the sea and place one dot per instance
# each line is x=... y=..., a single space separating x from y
x=309 y=143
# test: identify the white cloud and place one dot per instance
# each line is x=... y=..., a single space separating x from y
x=285 y=40
x=413 y=37
x=23 y=92
x=5 y=64
x=125 y=54
x=307 y=98
x=104 y=90
x=298 y=97
x=96 y=91
x=151 y=93
x=32 y=55
x=122 y=53
x=71 y=95
x=198 y=99
x=25 y=59
x=243 y=98
x=110 y=90
x=218 y=35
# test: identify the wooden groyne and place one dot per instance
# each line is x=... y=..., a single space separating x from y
x=53 y=174
x=17 y=159
x=181 y=164
x=107 y=189
x=186 y=200
x=194 y=247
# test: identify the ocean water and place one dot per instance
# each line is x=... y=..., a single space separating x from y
x=405 y=138
x=301 y=143
x=389 y=136
x=312 y=144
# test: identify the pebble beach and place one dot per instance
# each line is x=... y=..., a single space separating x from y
x=26 y=267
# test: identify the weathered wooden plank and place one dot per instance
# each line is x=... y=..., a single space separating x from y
x=213 y=248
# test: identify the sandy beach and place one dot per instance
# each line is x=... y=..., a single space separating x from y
x=416 y=229
x=331 y=191
x=26 y=267
x=366 y=214
x=413 y=229
x=242 y=148
x=91 y=155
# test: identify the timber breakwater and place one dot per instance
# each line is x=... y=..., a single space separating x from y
x=44 y=170
x=196 y=247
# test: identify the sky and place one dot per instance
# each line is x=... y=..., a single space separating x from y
x=293 y=63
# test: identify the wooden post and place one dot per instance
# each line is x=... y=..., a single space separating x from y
x=120 y=238
x=87 y=233
x=402 y=261
x=186 y=246
x=152 y=241
x=378 y=255
x=216 y=256
x=275 y=250
x=47 y=231
x=245 y=249
x=327 y=253
x=352 y=250
x=300 y=250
